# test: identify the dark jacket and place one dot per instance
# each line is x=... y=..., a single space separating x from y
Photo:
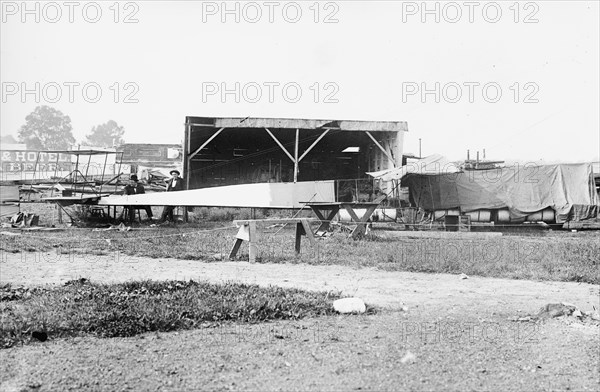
x=138 y=189
x=178 y=187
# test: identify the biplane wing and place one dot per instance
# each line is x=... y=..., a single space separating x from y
x=261 y=195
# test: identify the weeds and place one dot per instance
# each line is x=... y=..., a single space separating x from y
x=82 y=308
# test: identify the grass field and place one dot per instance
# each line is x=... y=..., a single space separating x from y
x=559 y=256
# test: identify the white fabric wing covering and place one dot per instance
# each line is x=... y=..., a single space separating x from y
x=263 y=195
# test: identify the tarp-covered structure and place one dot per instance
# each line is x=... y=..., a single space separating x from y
x=523 y=189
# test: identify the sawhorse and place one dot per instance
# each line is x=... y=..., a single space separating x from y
x=248 y=232
x=334 y=208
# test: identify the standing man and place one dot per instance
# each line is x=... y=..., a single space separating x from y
x=135 y=188
x=175 y=183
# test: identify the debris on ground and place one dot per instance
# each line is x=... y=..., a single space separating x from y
x=76 y=281
x=408 y=358
x=463 y=276
x=556 y=310
x=24 y=219
x=564 y=309
x=349 y=305
x=9 y=233
x=119 y=227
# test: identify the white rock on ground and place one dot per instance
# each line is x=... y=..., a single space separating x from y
x=408 y=358
x=349 y=305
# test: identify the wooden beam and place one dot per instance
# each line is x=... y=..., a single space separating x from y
x=214 y=135
x=186 y=150
x=280 y=145
x=390 y=157
x=313 y=145
x=296 y=156
x=186 y=163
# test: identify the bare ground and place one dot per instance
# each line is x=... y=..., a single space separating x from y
x=458 y=330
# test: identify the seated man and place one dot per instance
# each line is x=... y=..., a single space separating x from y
x=175 y=183
x=135 y=188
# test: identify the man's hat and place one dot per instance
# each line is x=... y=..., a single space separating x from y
x=175 y=171
x=133 y=177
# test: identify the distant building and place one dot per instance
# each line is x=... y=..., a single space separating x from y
x=18 y=163
x=150 y=160
x=151 y=155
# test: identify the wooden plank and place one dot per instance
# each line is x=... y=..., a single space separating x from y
x=214 y=135
x=582 y=225
x=280 y=145
x=390 y=157
x=235 y=248
x=442 y=234
x=313 y=145
x=272 y=221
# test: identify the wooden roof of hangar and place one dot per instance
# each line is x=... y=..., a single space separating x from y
x=297 y=123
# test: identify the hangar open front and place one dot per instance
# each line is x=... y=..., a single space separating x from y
x=227 y=151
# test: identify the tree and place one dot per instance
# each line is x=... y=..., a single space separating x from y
x=47 y=129
x=8 y=139
x=106 y=135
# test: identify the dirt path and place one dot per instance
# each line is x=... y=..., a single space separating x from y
x=332 y=353
x=383 y=288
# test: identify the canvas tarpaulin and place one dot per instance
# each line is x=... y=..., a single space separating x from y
x=524 y=189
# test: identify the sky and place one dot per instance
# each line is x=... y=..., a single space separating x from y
x=519 y=79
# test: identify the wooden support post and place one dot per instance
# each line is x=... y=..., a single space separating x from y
x=296 y=156
x=389 y=156
x=308 y=232
x=235 y=248
x=252 y=242
x=249 y=232
x=103 y=171
x=325 y=221
x=299 y=233
x=361 y=223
